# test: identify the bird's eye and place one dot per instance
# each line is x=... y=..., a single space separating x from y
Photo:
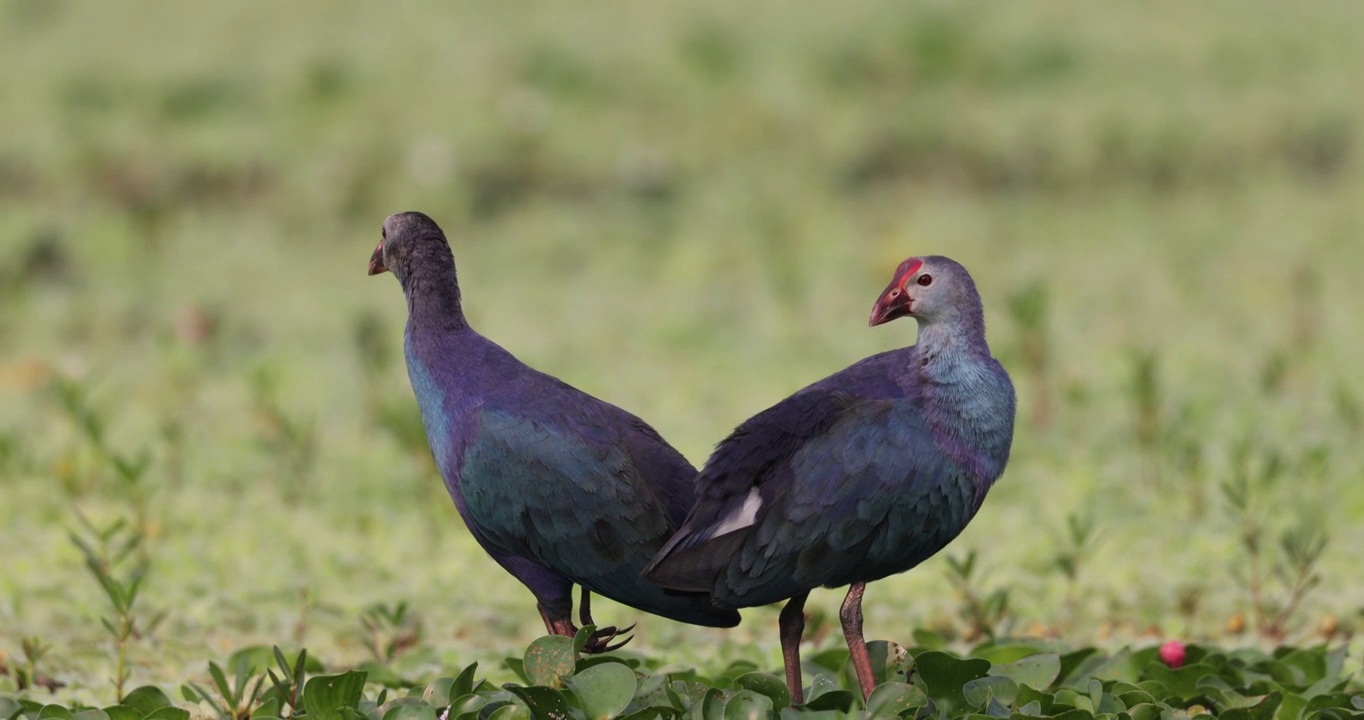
x=925 y=280
x=895 y=292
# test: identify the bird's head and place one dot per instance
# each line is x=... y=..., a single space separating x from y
x=410 y=240
x=928 y=289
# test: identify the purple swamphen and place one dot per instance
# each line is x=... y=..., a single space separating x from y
x=859 y=476
x=560 y=488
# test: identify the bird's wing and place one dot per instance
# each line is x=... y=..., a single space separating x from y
x=812 y=488
x=757 y=453
x=566 y=501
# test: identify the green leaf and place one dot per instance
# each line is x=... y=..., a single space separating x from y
x=325 y=696
x=1311 y=665
x=464 y=684
x=1328 y=702
x=252 y=660
x=146 y=700
x=1118 y=667
x=1221 y=693
x=980 y=691
x=220 y=682
x=656 y=691
x=1069 y=698
x=1263 y=710
x=710 y=707
x=115 y=712
x=1004 y=653
x=821 y=683
x=411 y=711
x=603 y=690
x=891 y=699
x=792 y=713
x=748 y=705
x=832 y=659
x=1037 y=671
x=581 y=638
x=766 y=684
x=272 y=708
x=1292 y=707
x=592 y=660
x=1027 y=696
x=651 y=713
x=944 y=676
x=549 y=660
x=1076 y=714
x=90 y=714
x=437 y=692
x=489 y=706
x=1145 y=711
x=168 y=713
x=518 y=668
x=1103 y=703
x=193 y=693
x=9 y=708
x=835 y=700
x=1182 y=682
x=732 y=672
x=1325 y=686
x=510 y=711
x=1073 y=661
x=467 y=703
x=889 y=663
x=55 y=712
x=544 y=703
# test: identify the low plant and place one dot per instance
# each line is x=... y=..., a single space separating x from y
x=985 y=612
x=390 y=630
x=1276 y=576
x=115 y=558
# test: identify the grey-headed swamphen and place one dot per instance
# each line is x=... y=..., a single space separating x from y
x=859 y=476
x=560 y=488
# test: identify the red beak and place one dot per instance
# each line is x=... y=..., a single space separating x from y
x=893 y=303
x=376 y=261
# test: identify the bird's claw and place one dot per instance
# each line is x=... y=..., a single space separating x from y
x=600 y=640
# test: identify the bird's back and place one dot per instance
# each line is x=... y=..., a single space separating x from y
x=545 y=472
x=851 y=479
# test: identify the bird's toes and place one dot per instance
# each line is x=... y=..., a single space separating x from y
x=619 y=645
x=600 y=641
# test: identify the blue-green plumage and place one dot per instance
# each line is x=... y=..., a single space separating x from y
x=559 y=487
x=861 y=475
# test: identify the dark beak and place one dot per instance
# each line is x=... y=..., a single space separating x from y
x=376 y=261
x=893 y=303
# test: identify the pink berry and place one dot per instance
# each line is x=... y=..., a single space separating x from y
x=1172 y=653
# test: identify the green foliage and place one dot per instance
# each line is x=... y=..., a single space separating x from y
x=983 y=611
x=390 y=630
x=1288 y=684
x=113 y=557
x=1276 y=578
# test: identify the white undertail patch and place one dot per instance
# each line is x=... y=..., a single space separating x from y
x=743 y=516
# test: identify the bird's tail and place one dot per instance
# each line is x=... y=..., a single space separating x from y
x=628 y=586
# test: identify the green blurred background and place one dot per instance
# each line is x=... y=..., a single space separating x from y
x=687 y=209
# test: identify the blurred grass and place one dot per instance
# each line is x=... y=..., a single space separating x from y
x=686 y=209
